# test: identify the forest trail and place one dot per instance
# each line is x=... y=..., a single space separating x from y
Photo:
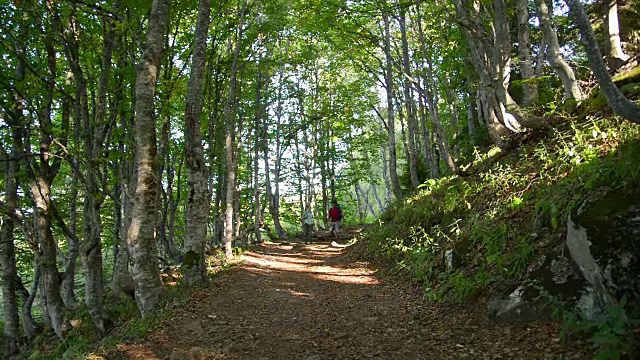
x=314 y=302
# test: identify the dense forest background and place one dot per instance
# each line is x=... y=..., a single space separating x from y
x=140 y=134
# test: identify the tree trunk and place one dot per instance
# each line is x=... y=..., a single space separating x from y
x=403 y=131
x=229 y=111
x=620 y=104
x=68 y=281
x=117 y=212
x=198 y=202
x=385 y=172
x=91 y=245
x=471 y=110
x=257 y=214
x=360 y=202
x=529 y=87
x=41 y=192
x=452 y=99
x=393 y=172
x=615 y=56
x=369 y=205
x=7 y=245
x=141 y=237
x=279 y=155
x=173 y=202
x=28 y=297
x=8 y=252
x=408 y=102
x=561 y=67
x=490 y=61
x=429 y=156
x=430 y=97
x=374 y=189
x=127 y=178
x=298 y=174
x=164 y=165
x=271 y=198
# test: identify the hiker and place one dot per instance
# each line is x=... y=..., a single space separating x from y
x=307 y=223
x=335 y=215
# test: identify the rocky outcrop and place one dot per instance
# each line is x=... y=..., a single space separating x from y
x=591 y=272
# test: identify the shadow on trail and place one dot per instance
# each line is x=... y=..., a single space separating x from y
x=323 y=261
x=309 y=301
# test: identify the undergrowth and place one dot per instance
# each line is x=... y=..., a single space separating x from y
x=127 y=325
x=612 y=336
x=509 y=208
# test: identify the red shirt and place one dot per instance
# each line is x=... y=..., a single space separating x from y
x=335 y=214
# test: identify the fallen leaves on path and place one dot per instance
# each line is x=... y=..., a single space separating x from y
x=312 y=302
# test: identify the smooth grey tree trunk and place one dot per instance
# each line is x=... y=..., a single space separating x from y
x=403 y=130
x=271 y=197
x=561 y=67
x=374 y=189
x=7 y=246
x=427 y=141
x=198 y=200
x=430 y=97
x=408 y=102
x=529 y=87
x=122 y=278
x=618 y=102
x=471 y=105
x=369 y=205
x=486 y=56
x=452 y=99
x=28 y=297
x=93 y=135
x=68 y=281
x=360 y=202
x=280 y=149
x=385 y=170
x=7 y=250
x=257 y=213
x=615 y=56
x=391 y=130
x=41 y=192
x=230 y=113
x=141 y=237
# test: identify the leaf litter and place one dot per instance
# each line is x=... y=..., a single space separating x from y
x=315 y=302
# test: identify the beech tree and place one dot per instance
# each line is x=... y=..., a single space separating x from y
x=198 y=202
x=615 y=55
x=141 y=237
x=620 y=104
x=561 y=67
x=184 y=126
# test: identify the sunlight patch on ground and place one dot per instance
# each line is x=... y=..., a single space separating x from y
x=336 y=245
x=278 y=245
x=135 y=351
x=299 y=294
x=350 y=279
x=264 y=263
x=301 y=261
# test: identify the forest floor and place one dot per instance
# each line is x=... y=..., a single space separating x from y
x=315 y=302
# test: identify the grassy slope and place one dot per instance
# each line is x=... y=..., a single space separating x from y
x=512 y=207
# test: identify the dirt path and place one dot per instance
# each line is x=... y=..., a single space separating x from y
x=311 y=302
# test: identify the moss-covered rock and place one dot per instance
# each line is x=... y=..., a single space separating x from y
x=632 y=76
